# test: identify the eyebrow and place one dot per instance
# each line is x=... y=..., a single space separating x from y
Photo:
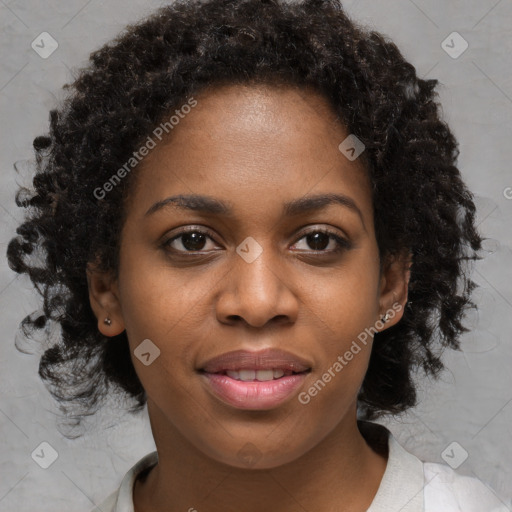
x=211 y=205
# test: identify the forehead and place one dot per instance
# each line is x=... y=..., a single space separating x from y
x=254 y=145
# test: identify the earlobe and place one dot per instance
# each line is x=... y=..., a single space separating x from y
x=104 y=300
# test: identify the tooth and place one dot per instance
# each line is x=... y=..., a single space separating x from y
x=261 y=375
x=247 y=374
x=264 y=375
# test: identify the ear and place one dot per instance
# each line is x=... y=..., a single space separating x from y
x=394 y=284
x=104 y=299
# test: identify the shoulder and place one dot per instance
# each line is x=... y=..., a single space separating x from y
x=447 y=490
x=412 y=485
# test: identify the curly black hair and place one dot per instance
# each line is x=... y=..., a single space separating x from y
x=133 y=82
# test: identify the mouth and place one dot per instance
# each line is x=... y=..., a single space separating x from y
x=261 y=380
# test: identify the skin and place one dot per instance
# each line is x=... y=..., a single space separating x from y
x=255 y=147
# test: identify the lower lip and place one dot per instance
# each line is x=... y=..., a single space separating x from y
x=254 y=395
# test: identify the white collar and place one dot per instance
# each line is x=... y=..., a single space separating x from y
x=401 y=487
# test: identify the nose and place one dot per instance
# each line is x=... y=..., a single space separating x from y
x=258 y=292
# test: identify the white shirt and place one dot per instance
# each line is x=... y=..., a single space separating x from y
x=408 y=484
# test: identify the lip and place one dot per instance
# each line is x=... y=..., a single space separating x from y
x=260 y=360
x=254 y=395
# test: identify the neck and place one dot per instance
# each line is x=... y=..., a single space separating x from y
x=341 y=470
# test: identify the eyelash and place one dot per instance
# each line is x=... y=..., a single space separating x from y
x=342 y=243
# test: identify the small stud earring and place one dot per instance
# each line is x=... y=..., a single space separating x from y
x=107 y=321
x=385 y=318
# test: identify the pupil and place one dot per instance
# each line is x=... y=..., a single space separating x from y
x=197 y=241
x=314 y=243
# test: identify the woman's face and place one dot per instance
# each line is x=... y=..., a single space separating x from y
x=249 y=277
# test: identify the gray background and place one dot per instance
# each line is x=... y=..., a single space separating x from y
x=471 y=404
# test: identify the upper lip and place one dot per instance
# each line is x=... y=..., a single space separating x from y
x=260 y=360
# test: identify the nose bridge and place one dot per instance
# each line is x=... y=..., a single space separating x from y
x=257 y=268
x=257 y=289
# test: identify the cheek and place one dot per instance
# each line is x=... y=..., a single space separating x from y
x=155 y=300
x=166 y=313
x=346 y=303
x=344 y=309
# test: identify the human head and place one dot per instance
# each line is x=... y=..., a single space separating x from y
x=138 y=81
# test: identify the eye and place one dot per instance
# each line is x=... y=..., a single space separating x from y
x=192 y=240
x=320 y=239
